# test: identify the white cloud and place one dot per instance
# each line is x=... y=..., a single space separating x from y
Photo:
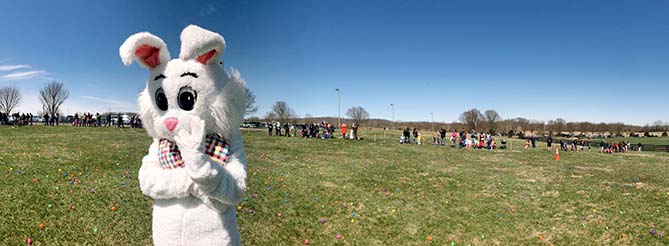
x=23 y=75
x=12 y=67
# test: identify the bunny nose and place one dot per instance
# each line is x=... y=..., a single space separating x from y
x=171 y=123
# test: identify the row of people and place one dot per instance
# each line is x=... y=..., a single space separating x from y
x=323 y=130
x=19 y=119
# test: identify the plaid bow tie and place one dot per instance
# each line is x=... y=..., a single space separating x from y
x=170 y=157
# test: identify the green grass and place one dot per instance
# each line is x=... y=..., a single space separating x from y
x=401 y=194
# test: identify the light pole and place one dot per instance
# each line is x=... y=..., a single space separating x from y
x=338 y=108
x=393 y=106
x=432 y=114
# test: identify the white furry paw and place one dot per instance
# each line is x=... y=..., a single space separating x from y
x=191 y=142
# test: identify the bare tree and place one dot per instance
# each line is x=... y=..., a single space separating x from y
x=601 y=127
x=559 y=125
x=472 y=118
x=658 y=126
x=10 y=97
x=491 y=116
x=534 y=126
x=269 y=116
x=251 y=107
x=281 y=112
x=52 y=96
x=570 y=127
x=616 y=128
x=358 y=114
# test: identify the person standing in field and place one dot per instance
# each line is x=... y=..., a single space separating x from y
x=415 y=134
x=484 y=140
x=442 y=134
x=407 y=135
x=269 y=128
x=46 y=119
x=355 y=131
x=549 y=142
x=119 y=121
x=343 y=130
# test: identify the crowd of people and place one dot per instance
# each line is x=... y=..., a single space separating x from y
x=405 y=138
x=323 y=130
x=20 y=119
x=77 y=120
x=88 y=119
x=326 y=130
x=582 y=145
x=618 y=147
x=462 y=139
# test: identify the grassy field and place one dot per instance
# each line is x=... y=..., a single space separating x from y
x=372 y=192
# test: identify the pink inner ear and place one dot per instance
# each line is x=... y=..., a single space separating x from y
x=148 y=54
x=204 y=58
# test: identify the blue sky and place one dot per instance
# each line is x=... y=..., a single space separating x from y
x=579 y=60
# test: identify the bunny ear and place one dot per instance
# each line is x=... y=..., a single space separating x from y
x=149 y=51
x=202 y=45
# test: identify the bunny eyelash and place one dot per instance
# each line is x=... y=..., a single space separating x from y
x=161 y=76
x=189 y=74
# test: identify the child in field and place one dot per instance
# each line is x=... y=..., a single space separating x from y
x=419 y=139
x=549 y=142
x=533 y=140
x=344 y=129
x=481 y=140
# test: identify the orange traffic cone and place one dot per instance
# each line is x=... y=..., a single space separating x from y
x=557 y=154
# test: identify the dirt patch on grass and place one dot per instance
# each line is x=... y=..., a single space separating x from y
x=412 y=229
x=329 y=184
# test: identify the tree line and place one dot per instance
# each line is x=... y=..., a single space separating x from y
x=283 y=113
x=473 y=119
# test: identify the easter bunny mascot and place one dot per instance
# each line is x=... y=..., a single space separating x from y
x=195 y=170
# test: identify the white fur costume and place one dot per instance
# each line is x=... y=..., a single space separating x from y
x=193 y=204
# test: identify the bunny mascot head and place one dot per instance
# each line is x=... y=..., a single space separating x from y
x=196 y=166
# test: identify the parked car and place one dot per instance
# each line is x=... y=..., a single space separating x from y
x=124 y=117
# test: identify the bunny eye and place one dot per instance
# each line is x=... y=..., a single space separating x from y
x=161 y=99
x=187 y=97
x=161 y=76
